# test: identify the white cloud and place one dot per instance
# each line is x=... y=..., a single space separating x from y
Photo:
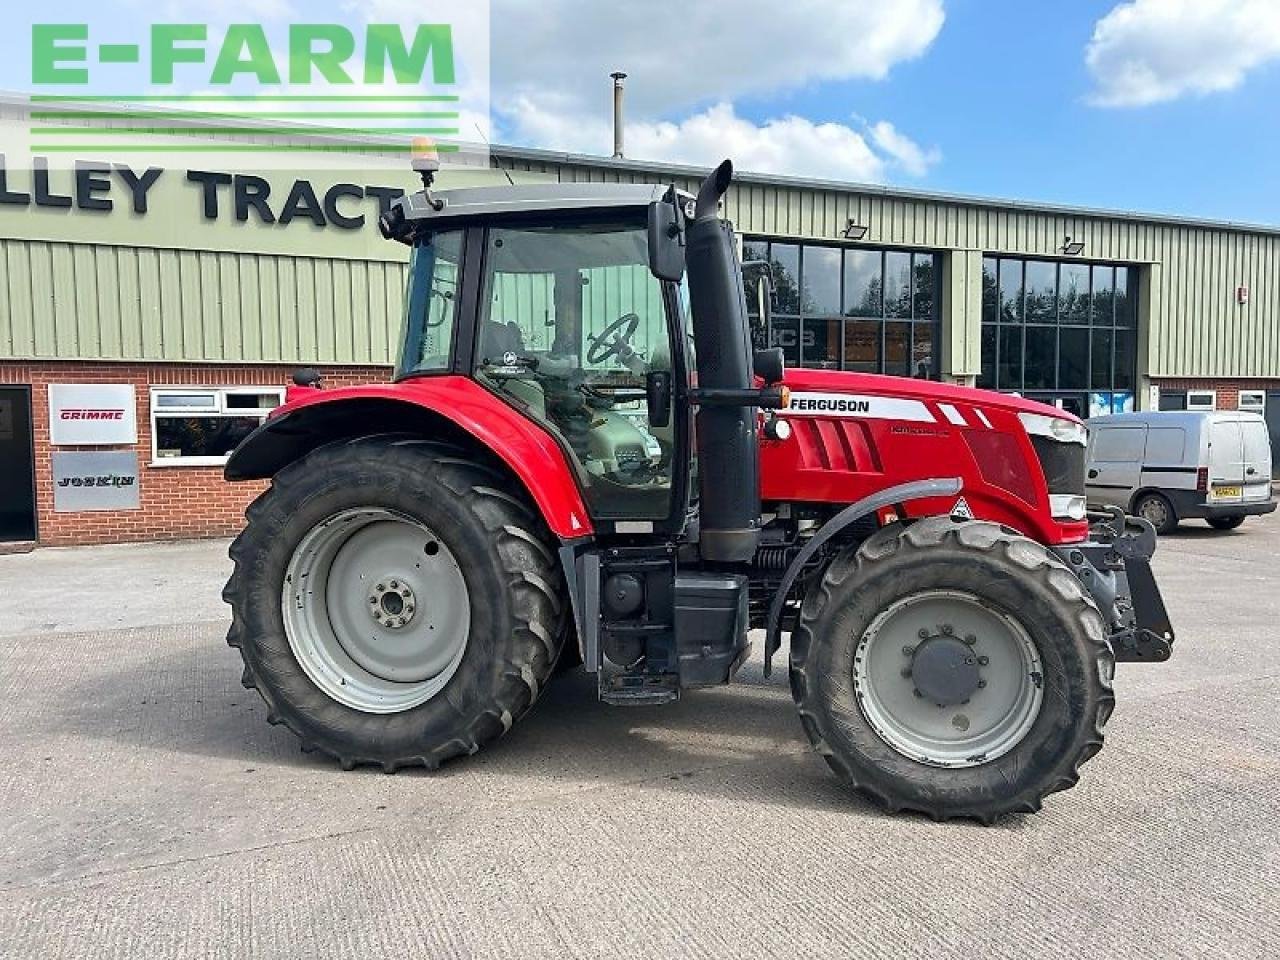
x=785 y=145
x=905 y=151
x=690 y=63
x=1149 y=51
x=682 y=54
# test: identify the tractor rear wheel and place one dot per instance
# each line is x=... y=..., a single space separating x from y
x=954 y=668
x=394 y=602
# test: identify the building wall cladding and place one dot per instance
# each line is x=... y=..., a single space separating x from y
x=177 y=502
x=1195 y=326
x=63 y=298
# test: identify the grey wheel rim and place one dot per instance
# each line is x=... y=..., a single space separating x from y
x=947 y=680
x=376 y=610
x=1154 y=511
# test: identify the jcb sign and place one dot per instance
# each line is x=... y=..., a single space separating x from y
x=317 y=52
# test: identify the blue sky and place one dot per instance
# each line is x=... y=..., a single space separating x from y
x=1155 y=105
x=1003 y=92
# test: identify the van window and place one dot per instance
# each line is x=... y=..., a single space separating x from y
x=1166 y=445
x=1118 y=443
x=1257 y=442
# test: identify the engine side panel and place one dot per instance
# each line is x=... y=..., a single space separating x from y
x=853 y=435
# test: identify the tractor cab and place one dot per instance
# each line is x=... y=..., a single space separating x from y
x=575 y=304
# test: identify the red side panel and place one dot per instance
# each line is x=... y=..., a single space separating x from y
x=854 y=435
x=524 y=446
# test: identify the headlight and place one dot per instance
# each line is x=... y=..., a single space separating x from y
x=1067 y=506
x=1055 y=428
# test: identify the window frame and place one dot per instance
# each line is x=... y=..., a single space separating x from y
x=219 y=409
x=1252 y=406
x=803 y=320
x=1194 y=396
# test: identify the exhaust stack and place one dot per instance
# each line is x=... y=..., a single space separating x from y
x=618 y=77
x=728 y=456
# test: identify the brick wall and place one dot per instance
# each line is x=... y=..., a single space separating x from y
x=1228 y=391
x=176 y=501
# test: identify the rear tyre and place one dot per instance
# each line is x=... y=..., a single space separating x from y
x=1156 y=509
x=956 y=669
x=394 y=602
x=1226 y=523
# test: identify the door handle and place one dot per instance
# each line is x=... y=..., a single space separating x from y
x=1093 y=474
x=1251 y=471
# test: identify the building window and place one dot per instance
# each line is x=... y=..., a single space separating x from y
x=200 y=426
x=850 y=308
x=1202 y=400
x=1060 y=331
x=1253 y=400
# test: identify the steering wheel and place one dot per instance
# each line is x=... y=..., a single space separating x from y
x=601 y=347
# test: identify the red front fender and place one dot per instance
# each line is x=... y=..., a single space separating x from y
x=447 y=408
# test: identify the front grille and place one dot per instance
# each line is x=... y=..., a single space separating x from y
x=1062 y=463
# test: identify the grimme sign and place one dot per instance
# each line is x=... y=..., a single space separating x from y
x=101 y=187
x=92 y=414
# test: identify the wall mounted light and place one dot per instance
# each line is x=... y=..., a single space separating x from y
x=853 y=230
x=1072 y=248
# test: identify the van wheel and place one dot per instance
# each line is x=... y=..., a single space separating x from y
x=1156 y=509
x=1226 y=523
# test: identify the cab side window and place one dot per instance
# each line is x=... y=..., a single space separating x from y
x=572 y=322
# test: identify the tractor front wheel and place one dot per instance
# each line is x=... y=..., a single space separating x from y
x=954 y=668
x=394 y=602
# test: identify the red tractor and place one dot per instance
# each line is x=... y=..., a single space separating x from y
x=582 y=456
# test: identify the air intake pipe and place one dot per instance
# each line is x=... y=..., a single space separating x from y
x=728 y=457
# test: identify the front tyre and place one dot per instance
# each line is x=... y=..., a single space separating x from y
x=394 y=603
x=957 y=669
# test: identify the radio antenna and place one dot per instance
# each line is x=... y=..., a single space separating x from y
x=504 y=170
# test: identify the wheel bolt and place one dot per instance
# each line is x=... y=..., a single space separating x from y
x=981 y=684
x=917 y=693
x=983 y=661
x=908 y=651
x=381 y=587
x=970 y=639
x=948 y=629
x=394 y=585
x=923 y=634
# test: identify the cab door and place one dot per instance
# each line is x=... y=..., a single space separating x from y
x=576 y=332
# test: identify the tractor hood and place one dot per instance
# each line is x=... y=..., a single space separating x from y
x=805 y=383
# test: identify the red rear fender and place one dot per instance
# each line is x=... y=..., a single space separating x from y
x=447 y=408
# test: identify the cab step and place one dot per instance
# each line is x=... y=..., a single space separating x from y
x=643 y=690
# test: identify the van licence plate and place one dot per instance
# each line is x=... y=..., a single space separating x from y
x=1228 y=493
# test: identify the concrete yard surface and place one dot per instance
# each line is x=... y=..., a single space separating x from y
x=148 y=810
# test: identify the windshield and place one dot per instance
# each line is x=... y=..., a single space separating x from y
x=431 y=304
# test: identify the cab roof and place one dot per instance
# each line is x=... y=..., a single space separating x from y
x=483 y=202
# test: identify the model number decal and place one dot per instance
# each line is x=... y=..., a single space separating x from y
x=851 y=405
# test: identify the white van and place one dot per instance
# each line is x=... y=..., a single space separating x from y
x=1174 y=465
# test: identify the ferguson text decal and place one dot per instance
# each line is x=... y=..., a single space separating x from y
x=854 y=405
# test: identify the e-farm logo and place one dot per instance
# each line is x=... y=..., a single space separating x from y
x=302 y=87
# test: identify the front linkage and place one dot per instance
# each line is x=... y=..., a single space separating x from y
x=1115 y=565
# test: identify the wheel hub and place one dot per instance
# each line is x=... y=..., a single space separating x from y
x=945 y=670
x=355 y=613
x=946 y=679
x=392 y=602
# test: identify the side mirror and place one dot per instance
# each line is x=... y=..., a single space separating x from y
x=764 y=297
x=666 y=241
x=769 y=365
x=657 y=390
